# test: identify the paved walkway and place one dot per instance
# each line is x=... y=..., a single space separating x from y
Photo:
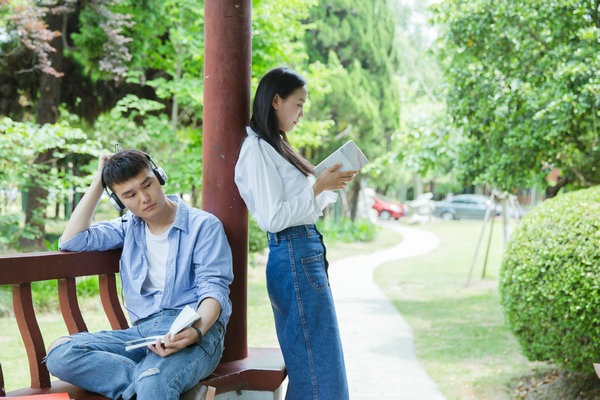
x=378 y=343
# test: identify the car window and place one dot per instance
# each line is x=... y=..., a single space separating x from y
x=461 y=201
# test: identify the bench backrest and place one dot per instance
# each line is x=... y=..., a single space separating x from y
x=19 y=270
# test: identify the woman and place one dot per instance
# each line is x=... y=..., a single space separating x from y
x=279 y=188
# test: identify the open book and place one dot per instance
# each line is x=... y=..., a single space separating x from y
x=186 y=317
x=349 y=155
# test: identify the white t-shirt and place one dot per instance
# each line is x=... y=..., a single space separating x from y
x=277 y=194
x=157 y=251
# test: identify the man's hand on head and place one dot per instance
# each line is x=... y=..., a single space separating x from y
x=102 y=160
x=185 y=338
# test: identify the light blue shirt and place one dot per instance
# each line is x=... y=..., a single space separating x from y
x=199 y=264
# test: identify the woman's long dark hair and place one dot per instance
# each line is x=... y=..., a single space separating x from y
x=280 y=81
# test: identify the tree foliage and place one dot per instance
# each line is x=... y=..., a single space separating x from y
x=128 y=72
x=523 y=88
x=20 y=145
x=355 y=41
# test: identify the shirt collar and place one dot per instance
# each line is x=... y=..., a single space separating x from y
x=250 y=132
x=182 y=215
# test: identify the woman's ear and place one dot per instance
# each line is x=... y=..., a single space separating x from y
x=276 y=101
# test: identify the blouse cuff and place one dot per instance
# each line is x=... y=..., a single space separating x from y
x=326 y=198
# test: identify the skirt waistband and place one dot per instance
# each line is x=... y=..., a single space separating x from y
x=293 y=232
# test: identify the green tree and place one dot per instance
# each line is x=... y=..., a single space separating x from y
x=21 y=143
x=523 y=89
x=127 y=72
x=424 y=146
x=355 y=40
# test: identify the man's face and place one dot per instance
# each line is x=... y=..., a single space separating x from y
x=142 y=194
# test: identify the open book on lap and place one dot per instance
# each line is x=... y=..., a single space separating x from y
x=348 y=154
x=186 y=317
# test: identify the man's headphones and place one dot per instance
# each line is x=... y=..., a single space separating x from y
x=114 y=199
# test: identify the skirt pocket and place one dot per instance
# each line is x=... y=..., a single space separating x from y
x=314 y=268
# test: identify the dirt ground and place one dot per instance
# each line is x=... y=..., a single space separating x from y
x=559 y=385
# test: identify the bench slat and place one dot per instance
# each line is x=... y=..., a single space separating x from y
x=110 y=302
x=31 y=335
x=69 y=307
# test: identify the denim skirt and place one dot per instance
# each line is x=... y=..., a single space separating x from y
x=304 y=312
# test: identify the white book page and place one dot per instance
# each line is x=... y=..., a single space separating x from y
x=349 y=155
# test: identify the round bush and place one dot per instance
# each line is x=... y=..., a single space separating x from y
x=550 y=281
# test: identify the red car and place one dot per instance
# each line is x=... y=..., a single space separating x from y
x=388 y=209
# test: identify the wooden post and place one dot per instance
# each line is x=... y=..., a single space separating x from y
x=227 y=73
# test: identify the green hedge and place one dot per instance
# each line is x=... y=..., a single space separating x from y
x=346 y=230
x=550 y=281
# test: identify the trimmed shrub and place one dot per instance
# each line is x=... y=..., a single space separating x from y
x=550 y=281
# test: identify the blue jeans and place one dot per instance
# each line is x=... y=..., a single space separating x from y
x=98 y=362
x=305 y=317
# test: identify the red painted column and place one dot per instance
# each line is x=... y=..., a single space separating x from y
x=227 y=73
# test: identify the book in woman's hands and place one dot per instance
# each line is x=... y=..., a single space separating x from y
x=186 y=317
x=349 y=155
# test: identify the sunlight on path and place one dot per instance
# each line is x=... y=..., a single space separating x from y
x=378 y=343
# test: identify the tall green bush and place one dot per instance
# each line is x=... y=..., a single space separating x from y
x=550 y=281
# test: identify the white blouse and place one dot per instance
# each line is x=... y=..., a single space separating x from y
x=276 y=193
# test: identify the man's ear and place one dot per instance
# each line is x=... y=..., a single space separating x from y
x=276 y=101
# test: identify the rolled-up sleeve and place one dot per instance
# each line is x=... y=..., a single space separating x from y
x=100 y=236
x=214 y=267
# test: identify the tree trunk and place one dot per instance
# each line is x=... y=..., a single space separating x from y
x=47 y=113
x=418 y=182
x=552 y=191
x=354 y=197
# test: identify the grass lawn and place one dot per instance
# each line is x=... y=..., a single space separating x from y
x=261 y=328
x=460 y=335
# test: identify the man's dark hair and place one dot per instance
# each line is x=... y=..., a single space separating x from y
x=282 y=81
x=124 y=165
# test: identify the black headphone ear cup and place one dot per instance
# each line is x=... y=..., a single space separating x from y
x=116 y=203
x=160 y=175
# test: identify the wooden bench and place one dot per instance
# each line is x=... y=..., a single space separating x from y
x=262 y=371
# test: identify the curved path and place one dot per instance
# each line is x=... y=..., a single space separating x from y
x=378 y=343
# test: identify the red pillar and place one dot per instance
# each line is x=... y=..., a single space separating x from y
x=227 y=73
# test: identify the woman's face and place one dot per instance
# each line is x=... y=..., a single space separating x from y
x=291 y=109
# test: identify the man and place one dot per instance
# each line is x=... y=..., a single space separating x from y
x=172 y=256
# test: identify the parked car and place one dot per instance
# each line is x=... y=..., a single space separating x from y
x=465 y=206
x=387 y=209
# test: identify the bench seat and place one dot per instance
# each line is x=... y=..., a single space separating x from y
x=263 y=370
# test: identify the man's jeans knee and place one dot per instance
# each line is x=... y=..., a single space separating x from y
x=55 y=359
